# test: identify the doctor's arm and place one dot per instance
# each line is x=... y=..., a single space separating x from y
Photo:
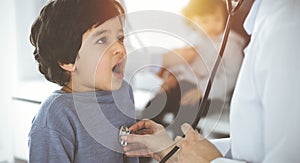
x=280 y=96
x=277 y=79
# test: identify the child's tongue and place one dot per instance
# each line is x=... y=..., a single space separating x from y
x=118 y=71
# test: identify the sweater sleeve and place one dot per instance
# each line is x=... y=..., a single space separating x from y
x=46 y=145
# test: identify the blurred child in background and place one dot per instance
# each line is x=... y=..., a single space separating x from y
x=187 y=76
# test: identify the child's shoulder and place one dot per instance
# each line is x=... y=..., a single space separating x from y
x=58 y=101
x=57 y=106
x=55 y=114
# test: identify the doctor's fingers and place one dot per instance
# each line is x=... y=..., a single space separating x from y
x=146 y=124
x=137 y=150
x=190 y=133
x=144 y=132
x=132 y=138
x=134 y=147
x=179 y=140
x=139 y=144
x=153 y=142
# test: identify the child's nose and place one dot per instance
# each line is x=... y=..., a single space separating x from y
x=118 y=49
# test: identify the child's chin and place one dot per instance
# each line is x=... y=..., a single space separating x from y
x=116 y=85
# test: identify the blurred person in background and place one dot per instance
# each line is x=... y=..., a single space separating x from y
x=185 y=77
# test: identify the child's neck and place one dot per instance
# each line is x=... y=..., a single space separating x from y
x=67 y=89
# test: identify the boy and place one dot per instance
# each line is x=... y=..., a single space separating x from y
x=79 y=45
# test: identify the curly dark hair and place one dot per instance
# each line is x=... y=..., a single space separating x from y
x=57 y=32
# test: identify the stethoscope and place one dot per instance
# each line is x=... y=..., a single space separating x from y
x=204 y=104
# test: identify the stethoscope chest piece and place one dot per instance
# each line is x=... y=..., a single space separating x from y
x=124 y=130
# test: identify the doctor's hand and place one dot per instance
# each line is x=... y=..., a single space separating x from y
x=150 y=140
x=195 y=148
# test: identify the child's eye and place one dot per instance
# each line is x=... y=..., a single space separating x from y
x=121 y=38
x=102 y=40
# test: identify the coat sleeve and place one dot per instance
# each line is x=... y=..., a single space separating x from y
x=280 y=90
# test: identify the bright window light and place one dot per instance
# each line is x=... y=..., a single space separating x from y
x=166 y=5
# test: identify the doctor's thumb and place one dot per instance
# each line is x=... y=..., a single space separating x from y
x=190 y=133
x=185 y=128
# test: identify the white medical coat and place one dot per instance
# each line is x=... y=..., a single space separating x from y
x=265 y=109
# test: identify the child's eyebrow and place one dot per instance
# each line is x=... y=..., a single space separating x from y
x=97 y=33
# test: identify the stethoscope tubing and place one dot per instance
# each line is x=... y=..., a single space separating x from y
x=203 y=106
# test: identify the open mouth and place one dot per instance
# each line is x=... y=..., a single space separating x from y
x=118 y=70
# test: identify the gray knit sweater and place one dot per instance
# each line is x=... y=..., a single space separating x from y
x=81 y=127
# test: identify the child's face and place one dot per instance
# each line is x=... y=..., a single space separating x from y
x=101 y=59
x=212 y=24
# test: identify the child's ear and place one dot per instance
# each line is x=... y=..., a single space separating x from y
x=68 y=67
